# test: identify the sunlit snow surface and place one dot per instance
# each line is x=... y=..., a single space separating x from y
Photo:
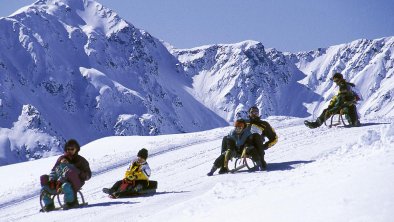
x=326 y=174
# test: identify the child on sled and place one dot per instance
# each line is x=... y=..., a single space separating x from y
x=136 y=177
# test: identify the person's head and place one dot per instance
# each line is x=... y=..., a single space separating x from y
x=254 y=112
x=71 y=147
x=337 y=77
x=239 y=125
x=143 y=154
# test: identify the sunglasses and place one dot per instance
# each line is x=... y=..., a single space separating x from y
x=255 y=112
x=335 y=80
x=71 y=149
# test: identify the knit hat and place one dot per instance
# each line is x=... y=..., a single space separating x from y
x=72 y=143
x=143 y=153
x=337 y=75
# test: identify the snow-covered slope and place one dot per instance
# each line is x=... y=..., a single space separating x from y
x=326 y=174
x=86 y=73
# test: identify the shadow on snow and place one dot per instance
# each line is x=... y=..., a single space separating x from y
x=286 y=165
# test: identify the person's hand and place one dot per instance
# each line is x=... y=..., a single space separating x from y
x=58 y=186
x=131 y=177
x=52 y=184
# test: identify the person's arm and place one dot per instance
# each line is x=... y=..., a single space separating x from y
x=57 y=163
x=143 y=173
x=85 y=173
x=270 y=133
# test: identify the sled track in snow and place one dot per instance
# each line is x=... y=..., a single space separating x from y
x=113 y=167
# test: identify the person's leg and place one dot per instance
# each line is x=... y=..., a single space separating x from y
x=70 y=199
x=48 y=201
x=352 y=115
x=258 y=153
x=114 y=188
x=219 y=162
x=319 y=121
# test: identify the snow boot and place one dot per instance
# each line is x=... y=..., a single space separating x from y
x=263 y=164
x=108 y=190
x=70 y=205
x=212 y=171
x=223 y=170
x=260 y=166
x=311 y=125
x=356 y=123
x=49 y=207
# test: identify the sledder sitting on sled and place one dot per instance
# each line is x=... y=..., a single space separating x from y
x=62 y=179
x=238 y=138
x=342 y=103
x=136 y=177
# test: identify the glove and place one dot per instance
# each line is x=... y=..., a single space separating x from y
x=61 y=179
x=265 y=146
x=130 y=178
x=58 y=186
x=52 y=184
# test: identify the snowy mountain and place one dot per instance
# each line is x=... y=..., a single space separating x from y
x=75 y=69
x=367 y=63
x=327 y=174
x=87 y=74
x=230 y=78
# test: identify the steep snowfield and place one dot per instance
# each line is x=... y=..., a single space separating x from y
x=326 y=174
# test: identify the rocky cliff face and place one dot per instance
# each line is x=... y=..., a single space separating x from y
x=231 y=78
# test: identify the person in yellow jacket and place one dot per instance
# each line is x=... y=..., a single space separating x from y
x=136 y=177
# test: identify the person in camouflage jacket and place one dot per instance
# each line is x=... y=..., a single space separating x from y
x=342 y=103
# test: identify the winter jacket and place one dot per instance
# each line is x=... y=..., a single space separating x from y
x=345 y=97
x=256 y=125
x=66 y=172
x=138 y=171
x=59 y=172
x=81 y=164
x=239 y=139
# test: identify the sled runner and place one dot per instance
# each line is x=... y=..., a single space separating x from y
x=338 y=122
x=243 y=160
x=59 y=196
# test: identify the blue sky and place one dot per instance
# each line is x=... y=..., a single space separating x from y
x=287 y=25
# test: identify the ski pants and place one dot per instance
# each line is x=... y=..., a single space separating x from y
x=67 y=190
